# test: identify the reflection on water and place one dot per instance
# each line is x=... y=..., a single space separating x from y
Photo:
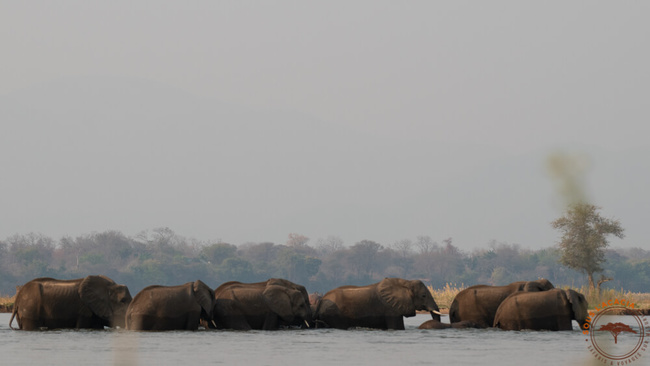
x=316 y=347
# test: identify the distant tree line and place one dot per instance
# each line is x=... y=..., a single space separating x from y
x=162 y=257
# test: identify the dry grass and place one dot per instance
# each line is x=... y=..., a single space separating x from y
x=7 y=303
x=639 y=299
x=445 y=296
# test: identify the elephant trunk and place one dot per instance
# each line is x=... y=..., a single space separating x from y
x=581 y=318
x=309 y=320
x=118 y=320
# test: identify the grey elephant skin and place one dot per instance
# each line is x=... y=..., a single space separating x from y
x=548 y=310
x=382 y=305
x=266 y=305
x=479 y=303
x=435 y=324
x=92 y=302
x=181 y=307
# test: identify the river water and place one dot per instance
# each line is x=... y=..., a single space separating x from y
x=289 y=347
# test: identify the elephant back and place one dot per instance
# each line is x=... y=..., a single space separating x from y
x=538 y=285
x=224 y=286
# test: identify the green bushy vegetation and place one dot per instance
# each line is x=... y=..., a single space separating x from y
x=163 y=257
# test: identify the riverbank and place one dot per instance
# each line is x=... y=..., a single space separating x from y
x=7 y=304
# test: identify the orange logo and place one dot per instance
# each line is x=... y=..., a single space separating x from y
x=617 y=333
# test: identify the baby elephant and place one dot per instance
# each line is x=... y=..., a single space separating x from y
x=435 y=324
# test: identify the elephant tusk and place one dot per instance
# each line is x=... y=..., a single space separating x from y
x=436 y=312
x=306 y=323
x=215 y=324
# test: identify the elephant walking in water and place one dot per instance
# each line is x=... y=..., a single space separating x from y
x=263 y=305
x=548 y=310
x=91 y=302
x=479 y=303
x=435 y=324
x=180 y=307
x=382 y=305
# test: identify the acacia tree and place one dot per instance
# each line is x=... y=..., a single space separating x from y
x=584 y=238
x=616 y=329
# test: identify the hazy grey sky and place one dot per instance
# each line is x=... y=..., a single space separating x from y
x=247 y=121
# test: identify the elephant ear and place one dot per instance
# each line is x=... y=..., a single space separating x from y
x=204 y=295
x=297 y=301
x=278 y=299
x=578 y=304
x=94 y=291
x=396 y=293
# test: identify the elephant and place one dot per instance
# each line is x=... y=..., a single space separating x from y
x=435 y=324
x=382 y=305
x=549 y=310
x=264 y=305
x=93 y=302
x=180 y=307
x=479 y=303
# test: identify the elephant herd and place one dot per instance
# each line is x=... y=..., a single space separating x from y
x=534 y=305
x=96 y=302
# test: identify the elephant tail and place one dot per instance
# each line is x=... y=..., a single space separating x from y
x=13 y=315
x=453 y=312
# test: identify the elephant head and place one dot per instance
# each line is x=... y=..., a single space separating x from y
x=302 y=290
x=288 y=303
x=205 y=298
x=106 y=299
x=579 y=306
x=407 y=296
